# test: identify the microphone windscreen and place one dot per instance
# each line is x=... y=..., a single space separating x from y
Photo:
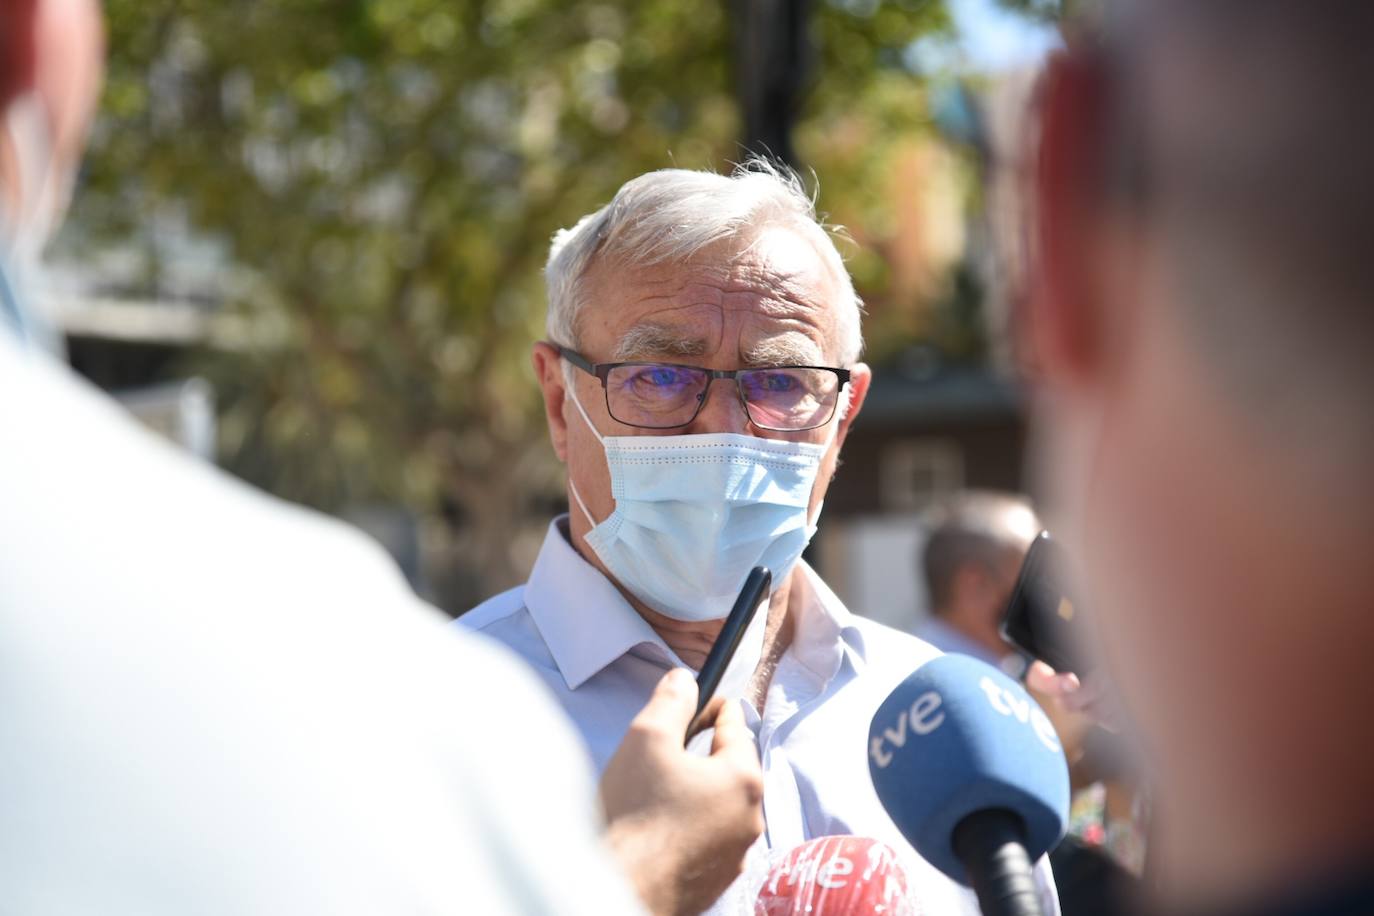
x=959 y=736
x=836 y=876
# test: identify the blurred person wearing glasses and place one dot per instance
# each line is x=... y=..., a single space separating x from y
x=700 y=374
x=214 y=702
x=1203 y=329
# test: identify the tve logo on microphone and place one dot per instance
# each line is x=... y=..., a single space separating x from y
x=1019 y=705
x=925 y=715
x=959 y=738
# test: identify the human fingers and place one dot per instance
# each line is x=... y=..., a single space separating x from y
x=670 y=707
x=733 y=741
x=1041 y=678
x=1090 y=698
x=705 y=719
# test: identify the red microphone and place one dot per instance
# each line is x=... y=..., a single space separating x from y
x=834 y=875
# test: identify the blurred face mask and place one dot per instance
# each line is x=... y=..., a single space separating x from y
x=11 y=316
x=29 y=216
x=42 y=189
x=694 y=513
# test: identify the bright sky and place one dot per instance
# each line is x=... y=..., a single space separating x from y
x=996 y=38
x=991 y=38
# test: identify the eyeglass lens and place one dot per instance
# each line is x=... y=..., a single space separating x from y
x=662 y=396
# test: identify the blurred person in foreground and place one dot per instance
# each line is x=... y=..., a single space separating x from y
x=1203 y=324
x=700 y=375
x=971 y=559
x=214 y=702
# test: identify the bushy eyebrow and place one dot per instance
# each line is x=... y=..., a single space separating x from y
x=656 y=341
x=790 y=350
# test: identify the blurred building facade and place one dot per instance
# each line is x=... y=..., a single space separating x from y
x=937 y=422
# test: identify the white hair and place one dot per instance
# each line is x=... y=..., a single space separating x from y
x=672 y=214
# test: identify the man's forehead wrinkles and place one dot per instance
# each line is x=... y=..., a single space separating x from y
x=667 y=314
x=777 y=312
x=772 y=287
x=775 y=273
x=732 y=290
x=779 y=306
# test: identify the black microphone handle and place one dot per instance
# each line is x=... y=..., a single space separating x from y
x=992 y=846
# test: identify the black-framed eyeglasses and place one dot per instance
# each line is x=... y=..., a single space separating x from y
x=666 y=395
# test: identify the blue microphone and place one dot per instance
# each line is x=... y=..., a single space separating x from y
x=970 y=769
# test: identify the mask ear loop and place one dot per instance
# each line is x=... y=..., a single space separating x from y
x=572 y=394
x=43 y=194
x=10 y=314
x=841 y=411
x=572 y=487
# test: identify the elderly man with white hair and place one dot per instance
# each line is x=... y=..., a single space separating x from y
x=699 y=379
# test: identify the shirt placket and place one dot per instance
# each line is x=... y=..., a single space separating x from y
x=792 y=689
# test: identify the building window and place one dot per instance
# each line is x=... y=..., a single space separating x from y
x=917 y=472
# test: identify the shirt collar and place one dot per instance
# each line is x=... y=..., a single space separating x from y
x=584 y=619
x=587 y=624
x=826 y=631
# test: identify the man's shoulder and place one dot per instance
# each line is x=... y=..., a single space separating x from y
x=891 y=650
x=496 y=609
x=883 y=640
x=505 y=618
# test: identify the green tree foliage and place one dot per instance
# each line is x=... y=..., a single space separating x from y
x=383 y=177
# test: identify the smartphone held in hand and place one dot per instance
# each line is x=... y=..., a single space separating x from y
x=1044 y=618
x=751 y=595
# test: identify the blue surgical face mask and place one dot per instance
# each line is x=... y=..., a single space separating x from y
x=694 y=513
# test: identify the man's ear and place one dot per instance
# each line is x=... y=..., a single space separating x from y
x=1061 y=322
x=548 y=369
x=860 y=377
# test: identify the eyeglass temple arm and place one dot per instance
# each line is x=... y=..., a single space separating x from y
x=577 y=359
